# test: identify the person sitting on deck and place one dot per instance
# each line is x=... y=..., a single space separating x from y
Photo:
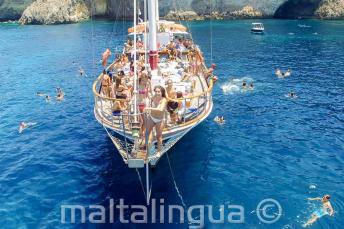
x=155 y=116
x=181 y=107
x=210 y=72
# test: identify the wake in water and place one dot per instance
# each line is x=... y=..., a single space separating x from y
x=238 y=85
x=303 y=26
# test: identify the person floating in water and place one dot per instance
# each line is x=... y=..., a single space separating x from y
x=292 y=95
x=24 y=125
x=60 y=94
x=281 y=74
x=278 y=73
x=220 y=120
x=244 y=85
x=105 y=57
x=82 y=72
x=326 y=209
x=251 y=86
x=287 y=73
x=47 y=98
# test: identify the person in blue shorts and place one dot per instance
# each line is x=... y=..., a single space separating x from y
x=326 y=209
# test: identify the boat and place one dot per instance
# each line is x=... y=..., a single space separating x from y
x=257 y=28
x=149 y=47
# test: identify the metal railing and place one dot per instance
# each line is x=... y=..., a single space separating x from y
x=106 y=106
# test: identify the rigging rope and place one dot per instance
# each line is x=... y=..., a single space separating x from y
x=92 y=40
x=143 y=188
x=211 y=30
x=174 y=181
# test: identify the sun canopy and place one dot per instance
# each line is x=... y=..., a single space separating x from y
x=164 y=26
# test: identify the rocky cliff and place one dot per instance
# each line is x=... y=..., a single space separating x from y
x=13 y=9
x=55 y=12
x=67 y=11
x=298 y=9
x=331 y=9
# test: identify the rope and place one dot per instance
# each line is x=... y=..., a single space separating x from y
x=92 y=39
x=174 y=181
x=211 y=30
x=143 y=188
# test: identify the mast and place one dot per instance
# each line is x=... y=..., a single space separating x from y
x=157 y=11
x=135 y=67
x=153 y=50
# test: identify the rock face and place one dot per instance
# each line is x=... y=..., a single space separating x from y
x=246 y=12
x=68 y=11
x=13 y=9
x=331 y=9
x=55 y=12
x=298 y=9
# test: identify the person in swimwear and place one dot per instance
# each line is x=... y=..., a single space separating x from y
x=105 y=57
x=287 y=73
x=278 y=73
x=251 y=86
x=171 y=105
x=155 y=115
x=105 y=84
x=60 y=96
x=292 y=95
x=144 y=93
x=82 y=72
x=219 y=120
x=24 y=125
x=210 y=72
x=244 y=85
x=47 y=98
x=326 y=209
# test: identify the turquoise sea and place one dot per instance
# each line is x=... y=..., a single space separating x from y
x=270 y=147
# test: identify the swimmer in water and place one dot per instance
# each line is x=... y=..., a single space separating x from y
x=287 y=73
x=244 y=85
x=82 y=72
x=47 y=98
x=326 y=209
x=279 y=73
x=292 y=95
x=24 y=125
x=219 y=120
x=251 y=86
x=60 y=94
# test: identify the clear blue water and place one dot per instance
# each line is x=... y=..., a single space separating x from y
x=270 y=146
